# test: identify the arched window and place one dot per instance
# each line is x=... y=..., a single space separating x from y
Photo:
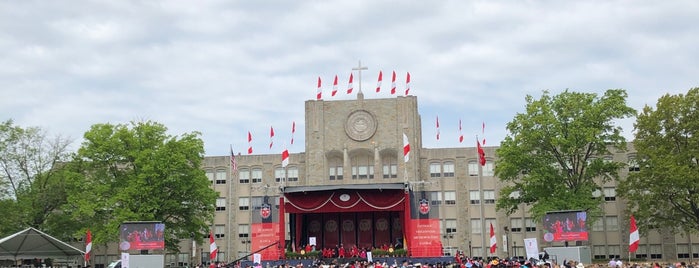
x=362 y=167
x=390 y=166
x=335 y=168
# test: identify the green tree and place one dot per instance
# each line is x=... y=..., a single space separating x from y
x=552 y=157
x=137 y=172
x=665 y=190
x=31 y=176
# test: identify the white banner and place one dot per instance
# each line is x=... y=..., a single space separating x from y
x=257 y=258
x=504 y=242
x=124 y=260
x=532 y=248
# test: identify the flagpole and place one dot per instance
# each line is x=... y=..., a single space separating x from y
x=480 y=198
x=229 y=201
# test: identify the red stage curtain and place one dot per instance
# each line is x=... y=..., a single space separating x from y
x=315 y=228
x=382 y=229
x=364 y=230
x=349 y=230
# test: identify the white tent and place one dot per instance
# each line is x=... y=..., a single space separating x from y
x=32 y=243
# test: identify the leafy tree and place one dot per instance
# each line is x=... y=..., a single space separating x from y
x=137 y=172
x=552 y=157
x=665 y=190
x=31 y=181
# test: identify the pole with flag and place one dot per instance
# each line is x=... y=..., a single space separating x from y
x=293 y=130
x=234 y=162
x=393 y=83
x=88 y=246
x=493 y=240
x=407 y=84
x=461 y=135
x=319 y=92
x=213 y=250
x=378 y=83
x=271 y=137
x=334 y=87
x=634 y=238
x=249 y=142
x=481 y=153
x=438 y=127
x=350 y=85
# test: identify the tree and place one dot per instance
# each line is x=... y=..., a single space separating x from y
x=31 y=179
x=552 y=157
x=137 y=172
x=664 y=192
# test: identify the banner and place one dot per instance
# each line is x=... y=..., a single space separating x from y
x=532 y=248
x=424 y=226
x=331 y=233
x=382 y=229
x=265 y=228
x=365 y=226
x=349 y=230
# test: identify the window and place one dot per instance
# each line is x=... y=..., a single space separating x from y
x=244 y=175
x=210 y=175
x=613 y=252
x=473 y=168
x=633 y=164
x=279 y=174
x=599 y=253
x=488 y=197
x=488 y=169
x=335 y=168
x=448 y=169
x=219 y=231
x=256 y=175
x=243 y=230
x=292 y=174
x=656 y=252
x=390 y=168
x=221 y=204
x=609 y=194
x=362 y=167
x=435 y=170
x=530 y=225
x=435 y=198
x=612 y=223
x=516 y=225
x=488 y=222
x=475 y=227
x=598 y=226
x=221 y=176
x=450 y=198
x=475 y=197
x=450 y=225
x=683 y=251
x=642 y=252
x=243 y=203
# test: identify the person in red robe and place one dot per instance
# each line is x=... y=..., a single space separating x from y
x=341 y=251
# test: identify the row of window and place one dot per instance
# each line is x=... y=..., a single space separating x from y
x=253 y=175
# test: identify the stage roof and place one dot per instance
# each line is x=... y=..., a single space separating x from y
x=373 y=186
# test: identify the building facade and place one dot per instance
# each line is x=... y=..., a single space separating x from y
x=361 y=142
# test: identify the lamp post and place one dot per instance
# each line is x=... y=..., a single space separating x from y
x=514 y=248
x=507 y=240
x=470 y=250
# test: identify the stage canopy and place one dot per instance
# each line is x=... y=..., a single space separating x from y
x=345 y=198
x=32 y=243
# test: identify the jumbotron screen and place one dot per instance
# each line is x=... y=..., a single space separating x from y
x=565 y=226
x=142 y=236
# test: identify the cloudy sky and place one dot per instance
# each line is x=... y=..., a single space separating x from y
x=227 y=67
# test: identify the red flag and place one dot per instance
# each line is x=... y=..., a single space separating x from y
x=213 y=249
x=483 y=132
x=407 y=84
x=634 y=238
x=234 y=162
x=319 y=93
x=406 y=148
x=334 y=87
x=481 y=153
x=285 y=158
x=461 y=136
x=393 y=83
x=249 y=143
x=271 y=137
x=350 y=86
x=293 y=130
x=378 y=84
x=493 y=240
x=88 y=245
x=438 y=127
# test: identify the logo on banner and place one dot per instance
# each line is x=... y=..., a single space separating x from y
x=344 y=197
x=347 y=225
x=265 y=211
x=314 y=226
x=382 y=224
x=331 y=226
x=365 y=225
x=424 y=206
x=396 y=224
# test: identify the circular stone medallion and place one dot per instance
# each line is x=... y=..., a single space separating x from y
x=360 y=125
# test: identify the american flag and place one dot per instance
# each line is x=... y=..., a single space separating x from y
x=234 y=162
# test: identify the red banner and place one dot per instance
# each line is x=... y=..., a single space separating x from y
x=365 y=226
x=382 y=229
x=349 y=230
x=331 y=229
x=315 y=228
x=265 y=234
